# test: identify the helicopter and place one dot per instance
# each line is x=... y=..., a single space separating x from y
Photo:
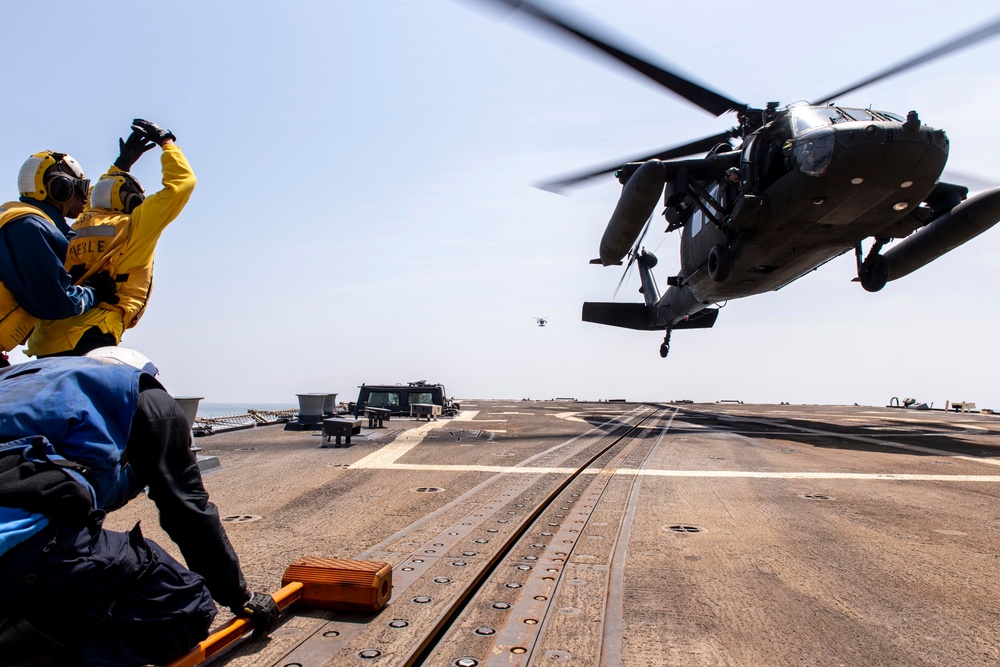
x=542 y=321
x=786 y=190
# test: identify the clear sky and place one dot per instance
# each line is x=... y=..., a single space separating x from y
x=364 y=209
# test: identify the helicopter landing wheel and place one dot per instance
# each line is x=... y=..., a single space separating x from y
x=665 y=345
x=720 y=262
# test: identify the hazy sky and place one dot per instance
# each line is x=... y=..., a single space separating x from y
x=364 y=209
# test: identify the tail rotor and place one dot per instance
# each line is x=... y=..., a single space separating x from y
x=633 y=254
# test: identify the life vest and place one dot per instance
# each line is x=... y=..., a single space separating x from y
x=101 y=239
x=15 y=322
x=75 y=413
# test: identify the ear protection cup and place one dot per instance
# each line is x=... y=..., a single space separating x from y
x=130 y=192
x=60 y=188
x=132 y=201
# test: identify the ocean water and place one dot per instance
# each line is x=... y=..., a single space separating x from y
x=206 y=410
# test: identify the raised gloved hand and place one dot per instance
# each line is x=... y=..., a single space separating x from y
x=262 y=610
x=104 y=287
x=153 y=132
x=131 y=149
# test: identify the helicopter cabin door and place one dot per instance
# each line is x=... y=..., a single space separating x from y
x=701 y=233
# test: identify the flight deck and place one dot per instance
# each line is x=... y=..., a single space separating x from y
x=606 y=533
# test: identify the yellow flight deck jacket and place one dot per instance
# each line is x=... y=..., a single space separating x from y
x=123 y=245
x=15 y=322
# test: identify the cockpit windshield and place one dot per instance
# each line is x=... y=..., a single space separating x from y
x=805 y=118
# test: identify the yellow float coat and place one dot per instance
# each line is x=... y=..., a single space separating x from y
x=15 y=322
x=123 y=246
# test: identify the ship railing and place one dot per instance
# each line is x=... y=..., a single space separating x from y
x=250 y=419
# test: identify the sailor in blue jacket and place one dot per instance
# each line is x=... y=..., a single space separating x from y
x=80 y=437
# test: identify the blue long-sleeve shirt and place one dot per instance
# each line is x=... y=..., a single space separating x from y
x=32 y=255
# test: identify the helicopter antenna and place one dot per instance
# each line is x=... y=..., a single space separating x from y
x=979 y=34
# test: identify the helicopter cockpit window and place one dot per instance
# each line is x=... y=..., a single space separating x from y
x=859 y=114
x=809 y=118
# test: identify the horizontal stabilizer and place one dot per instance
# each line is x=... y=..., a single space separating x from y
x=626 y=315
x=641 y=317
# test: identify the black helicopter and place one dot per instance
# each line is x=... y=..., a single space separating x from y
x=785 y=191
x=541 y=321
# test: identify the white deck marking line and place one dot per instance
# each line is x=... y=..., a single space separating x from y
x=384 y=458
x=718 y=474
x=896 y=477
x=406 y=441
x=568 y=416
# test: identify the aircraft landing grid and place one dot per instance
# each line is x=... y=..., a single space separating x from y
x=619 y=534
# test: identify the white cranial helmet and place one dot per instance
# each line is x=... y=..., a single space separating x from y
x=124 y=355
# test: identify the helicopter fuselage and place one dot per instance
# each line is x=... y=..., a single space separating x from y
x=802 y=199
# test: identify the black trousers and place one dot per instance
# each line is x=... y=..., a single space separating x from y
x=116 y=598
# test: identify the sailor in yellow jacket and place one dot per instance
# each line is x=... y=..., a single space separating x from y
x=117 y=233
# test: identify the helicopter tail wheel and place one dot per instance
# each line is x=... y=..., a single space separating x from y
x=720 y=262
x=665 y=345
x=874 y=273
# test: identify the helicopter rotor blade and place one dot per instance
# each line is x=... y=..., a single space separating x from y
x=709 y=100
x=698 y=146
x=968 y=39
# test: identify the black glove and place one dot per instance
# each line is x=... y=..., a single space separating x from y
x=129 y=151
x=262 y=610
x=104 y=287
x=153 y=132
